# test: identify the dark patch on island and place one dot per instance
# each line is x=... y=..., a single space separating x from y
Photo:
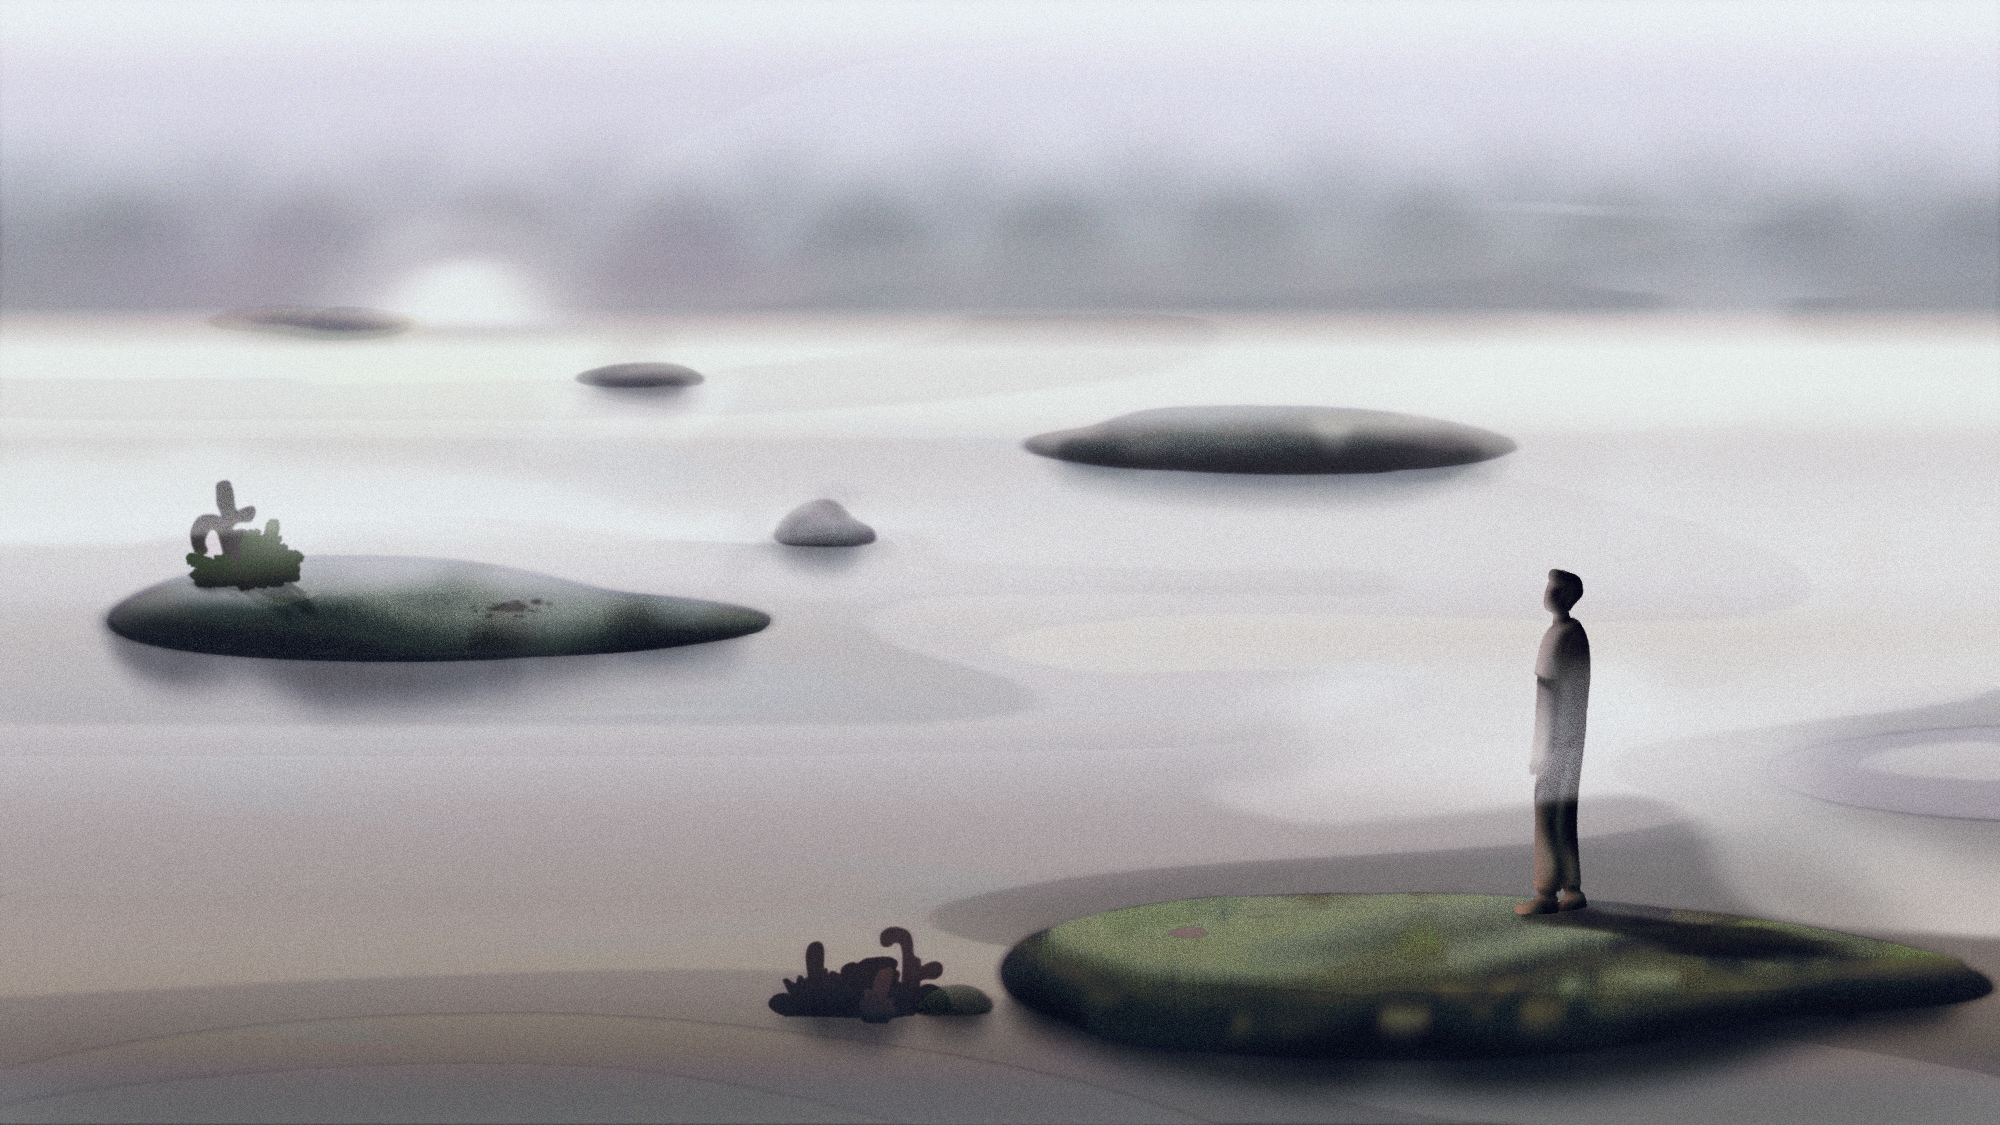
x=822 y=523
x=641 y=375
x=321 y=324
x=384 y=608
x=1272 y=439
x=1447 y=976
x=877 y=989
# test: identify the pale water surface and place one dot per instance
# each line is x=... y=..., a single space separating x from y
x=1788 y=533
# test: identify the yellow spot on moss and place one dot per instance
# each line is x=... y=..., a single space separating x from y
x=1403 y=1020
x=1540 y=1013
x=1420 y=943
x=1640 y=978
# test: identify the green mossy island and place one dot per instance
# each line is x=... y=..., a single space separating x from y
x=1440 y=976
x=388 y=608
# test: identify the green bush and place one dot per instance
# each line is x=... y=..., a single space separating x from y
x=260 y=559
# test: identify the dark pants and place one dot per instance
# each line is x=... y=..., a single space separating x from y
x=1556 y=864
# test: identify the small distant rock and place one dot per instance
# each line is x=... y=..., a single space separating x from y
x=1272 y=439
x=955 y=1000
x=822 y=523
x=641 y=375
x=326 y=324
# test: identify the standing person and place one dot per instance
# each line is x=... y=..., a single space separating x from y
x=1562 y=692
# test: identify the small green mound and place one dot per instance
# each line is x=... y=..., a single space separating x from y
x=1426 y=975
x=370 y=608
x=955 y=1000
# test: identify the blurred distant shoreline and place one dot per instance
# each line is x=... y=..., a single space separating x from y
x=78 y=242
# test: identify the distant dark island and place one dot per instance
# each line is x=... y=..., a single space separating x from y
x=1441 y=976
x=1495 y=293
x=315 y=323
x=1272 y=439
x=640 y=375
x=387 y=608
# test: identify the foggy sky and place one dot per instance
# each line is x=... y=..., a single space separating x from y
x=426 y=120
x=859 y=84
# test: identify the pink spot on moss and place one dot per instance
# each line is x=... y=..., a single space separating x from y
x=1188 y=931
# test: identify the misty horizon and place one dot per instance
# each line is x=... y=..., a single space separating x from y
x=624 y=157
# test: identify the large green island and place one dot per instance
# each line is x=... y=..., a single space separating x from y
x=1440 y=975
x=393 y=608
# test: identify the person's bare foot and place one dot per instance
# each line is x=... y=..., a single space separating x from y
x=1574 y=900
x=1543 y=904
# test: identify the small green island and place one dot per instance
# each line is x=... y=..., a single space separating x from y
x=1443 y=976
x=257 y=597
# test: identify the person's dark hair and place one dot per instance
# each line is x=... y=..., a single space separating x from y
x=1565 y=589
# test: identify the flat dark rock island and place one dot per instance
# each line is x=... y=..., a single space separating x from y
x=1272 y=439
x=389 y=608
x=1444 y=976
x=641 y=375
